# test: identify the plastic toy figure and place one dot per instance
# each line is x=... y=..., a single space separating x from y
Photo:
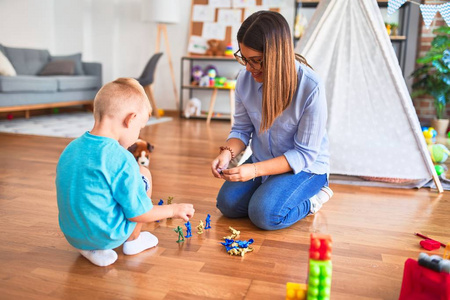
x=208 y=222
x=234 y=234
x=169 y=201
x=200 y=227
x=179 y=230
x=188 y=229
x=161 y=202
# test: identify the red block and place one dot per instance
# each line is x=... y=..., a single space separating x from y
x=420 y=283
x=320 y=248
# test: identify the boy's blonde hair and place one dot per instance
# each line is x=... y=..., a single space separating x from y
x=120 y=97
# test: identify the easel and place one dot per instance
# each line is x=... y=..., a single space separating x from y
x=162 y=28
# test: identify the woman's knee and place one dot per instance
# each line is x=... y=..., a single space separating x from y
x=264 y=217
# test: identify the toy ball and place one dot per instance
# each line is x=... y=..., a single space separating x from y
x=448 y=134
x=56 y=110
x=9 y=116
x=427 y=134
x=439 y=153
x=439 y=169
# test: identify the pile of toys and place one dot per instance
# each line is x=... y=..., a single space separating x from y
x=236 y=247
x=319 y=273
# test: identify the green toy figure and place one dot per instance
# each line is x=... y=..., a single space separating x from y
x=179 y=230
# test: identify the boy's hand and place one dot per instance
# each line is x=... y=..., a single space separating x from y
x=183 y=211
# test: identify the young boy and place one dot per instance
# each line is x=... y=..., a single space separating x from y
x=101 y=190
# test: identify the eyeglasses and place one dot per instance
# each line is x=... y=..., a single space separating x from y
x=255 y=64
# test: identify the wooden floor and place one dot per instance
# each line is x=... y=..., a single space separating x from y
x=372 y=230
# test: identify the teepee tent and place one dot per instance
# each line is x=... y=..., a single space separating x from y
x=375 y=135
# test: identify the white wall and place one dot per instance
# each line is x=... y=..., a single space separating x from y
x=108 y=31
x=26 y=23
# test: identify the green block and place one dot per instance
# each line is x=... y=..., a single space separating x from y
x=319 y=279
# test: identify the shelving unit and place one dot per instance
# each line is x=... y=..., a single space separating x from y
x=189 y=61
x=399 y=40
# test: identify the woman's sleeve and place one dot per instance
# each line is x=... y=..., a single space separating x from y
x=310 y=133
x=242 y=127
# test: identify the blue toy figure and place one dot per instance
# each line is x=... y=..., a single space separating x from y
x=161 y=202
x=208 y=222
x=188 y=229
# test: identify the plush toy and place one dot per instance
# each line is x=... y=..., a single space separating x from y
x=213 y=48
x=193 y=108
x=196 y=75
x=141 y=151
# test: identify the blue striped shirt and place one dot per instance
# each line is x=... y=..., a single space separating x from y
x=299 y=133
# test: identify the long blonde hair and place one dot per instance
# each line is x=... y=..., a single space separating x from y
x=269 y=33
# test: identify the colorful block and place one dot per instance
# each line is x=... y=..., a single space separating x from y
x=296 y=291
x=320 y=248
x=319 y=279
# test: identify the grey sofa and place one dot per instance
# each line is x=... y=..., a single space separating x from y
x=28 y=90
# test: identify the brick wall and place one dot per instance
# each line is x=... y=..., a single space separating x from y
x=424 y=105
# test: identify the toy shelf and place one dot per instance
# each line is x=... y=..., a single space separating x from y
x=186 y=65
x=205 y=87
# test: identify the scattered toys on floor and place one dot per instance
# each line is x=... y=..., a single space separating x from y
x=428 y=239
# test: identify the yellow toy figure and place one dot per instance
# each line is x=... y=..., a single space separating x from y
x=234 y=234
x=200 y=227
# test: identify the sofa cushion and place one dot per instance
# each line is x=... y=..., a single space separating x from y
x=9 y=84
x=69 y=83
x=6 y=68
x=76 y=58
x=27 y=61
x=58 y=67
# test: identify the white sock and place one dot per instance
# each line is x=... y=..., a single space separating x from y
x=145 y=241
x=319 y=199
x=101 y=258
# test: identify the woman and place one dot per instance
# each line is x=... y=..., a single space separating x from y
x=281 y=107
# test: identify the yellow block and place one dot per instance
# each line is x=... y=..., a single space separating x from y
x=296 y=291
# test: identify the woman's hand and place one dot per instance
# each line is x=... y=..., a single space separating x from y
x=220 y=163
x=244 y=172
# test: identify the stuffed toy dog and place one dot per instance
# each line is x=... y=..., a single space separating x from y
x=141 y=151
x=193 y=108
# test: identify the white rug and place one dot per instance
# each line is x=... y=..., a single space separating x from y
x=69 y=125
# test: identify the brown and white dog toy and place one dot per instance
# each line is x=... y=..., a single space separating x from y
x=141 y=151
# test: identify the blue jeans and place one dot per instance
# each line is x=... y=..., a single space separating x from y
x=279 y=202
